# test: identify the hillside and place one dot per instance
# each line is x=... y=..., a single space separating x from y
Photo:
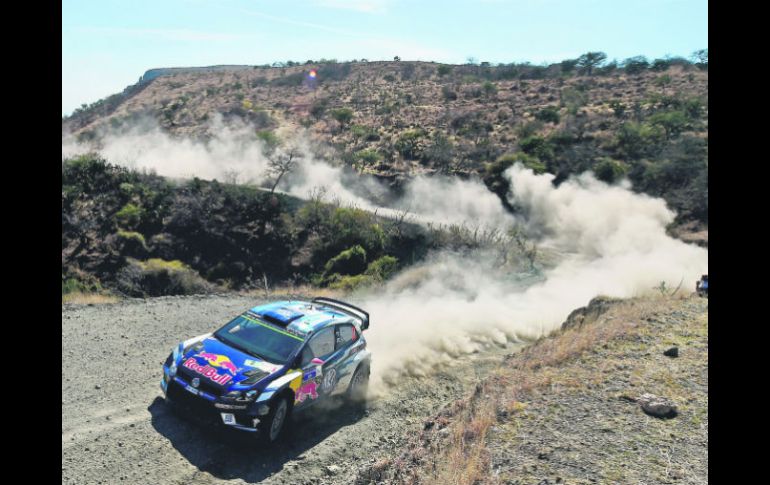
x=568 y=409
x=646 y=121
x=139 y=234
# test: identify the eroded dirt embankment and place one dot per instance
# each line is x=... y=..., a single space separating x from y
x=575 y=408
x=116 y=428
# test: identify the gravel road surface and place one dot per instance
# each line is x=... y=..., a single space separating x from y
x=117 y=429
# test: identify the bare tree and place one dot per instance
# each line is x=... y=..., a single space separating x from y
x=281 y=163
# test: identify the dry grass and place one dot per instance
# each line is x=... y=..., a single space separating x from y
x=454 y=451
x=293 y=292
x=79 y=298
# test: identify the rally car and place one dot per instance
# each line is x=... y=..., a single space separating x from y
x=270 y=361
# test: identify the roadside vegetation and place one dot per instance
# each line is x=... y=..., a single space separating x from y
x=637 y=118
x=137 y=234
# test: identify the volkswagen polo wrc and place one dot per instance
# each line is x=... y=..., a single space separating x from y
x=270 y=361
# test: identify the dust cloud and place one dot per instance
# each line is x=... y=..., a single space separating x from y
x=601 y=240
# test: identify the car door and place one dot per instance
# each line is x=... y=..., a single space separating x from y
x=313 y=360
x=346 y=338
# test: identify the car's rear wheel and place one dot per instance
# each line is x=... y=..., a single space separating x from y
x=359 y=385
x=273 y=424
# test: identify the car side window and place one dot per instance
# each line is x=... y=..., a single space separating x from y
x=320 y=345
x=345 y=335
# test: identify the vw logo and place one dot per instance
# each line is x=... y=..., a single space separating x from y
x=196 y=382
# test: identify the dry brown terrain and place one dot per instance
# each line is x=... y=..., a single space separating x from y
x=389 y=99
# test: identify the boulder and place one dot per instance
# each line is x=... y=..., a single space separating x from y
x=656 y=406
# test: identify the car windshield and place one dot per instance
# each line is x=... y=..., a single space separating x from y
x=260 y=339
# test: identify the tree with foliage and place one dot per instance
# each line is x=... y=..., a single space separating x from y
x=343 y=116
x=701 y=58
x=397 y=59
x=608 y=170
x=568 y=65
x=549 y=114
x=636 y=64
x=591 y=60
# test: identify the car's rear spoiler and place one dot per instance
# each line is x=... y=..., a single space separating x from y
x=346 y=308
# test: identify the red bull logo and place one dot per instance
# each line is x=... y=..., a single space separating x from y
x=308 y=390
x=207 y=371
x=220 y=361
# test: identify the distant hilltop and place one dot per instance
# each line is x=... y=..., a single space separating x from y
x=151 y=74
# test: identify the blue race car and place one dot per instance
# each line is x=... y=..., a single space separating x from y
x=274 y=359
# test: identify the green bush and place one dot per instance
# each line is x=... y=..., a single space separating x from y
x=351 y=261
x=538 y=147
x=528 y=129
x=635 y=140
x=443 y=70
x=368 y=157
x=129 y=216
x=489 y=88
x=673 y=122
x=132 y=235
x=383 y=268
x=350 y=226
x=343 y=116
x=75 y=285
x=407 y=144
x=635 y=65
x=377 y=272
x=549 y=114
x=609 y=170
x=158 y=277
x=270 y=141
x=364 y=132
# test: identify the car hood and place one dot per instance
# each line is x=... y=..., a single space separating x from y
x=226 y=367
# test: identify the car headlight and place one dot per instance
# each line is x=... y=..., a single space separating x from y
x=241 y=396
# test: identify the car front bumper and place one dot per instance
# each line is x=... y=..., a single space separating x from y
x=209 y=408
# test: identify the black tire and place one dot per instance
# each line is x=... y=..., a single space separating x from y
x=271 y=427
x=359 y=385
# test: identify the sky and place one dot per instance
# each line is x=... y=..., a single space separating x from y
x=108 y=44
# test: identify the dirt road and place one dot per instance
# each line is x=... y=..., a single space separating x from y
x=117 y=429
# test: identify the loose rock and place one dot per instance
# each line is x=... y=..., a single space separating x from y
x=656 y=406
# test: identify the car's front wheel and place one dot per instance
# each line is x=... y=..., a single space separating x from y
x=274 y=422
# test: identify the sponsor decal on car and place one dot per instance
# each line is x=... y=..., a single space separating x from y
x=308 y=389
x=221 y=361
x=207 y=371
x=329 y=381
x=261 y=365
